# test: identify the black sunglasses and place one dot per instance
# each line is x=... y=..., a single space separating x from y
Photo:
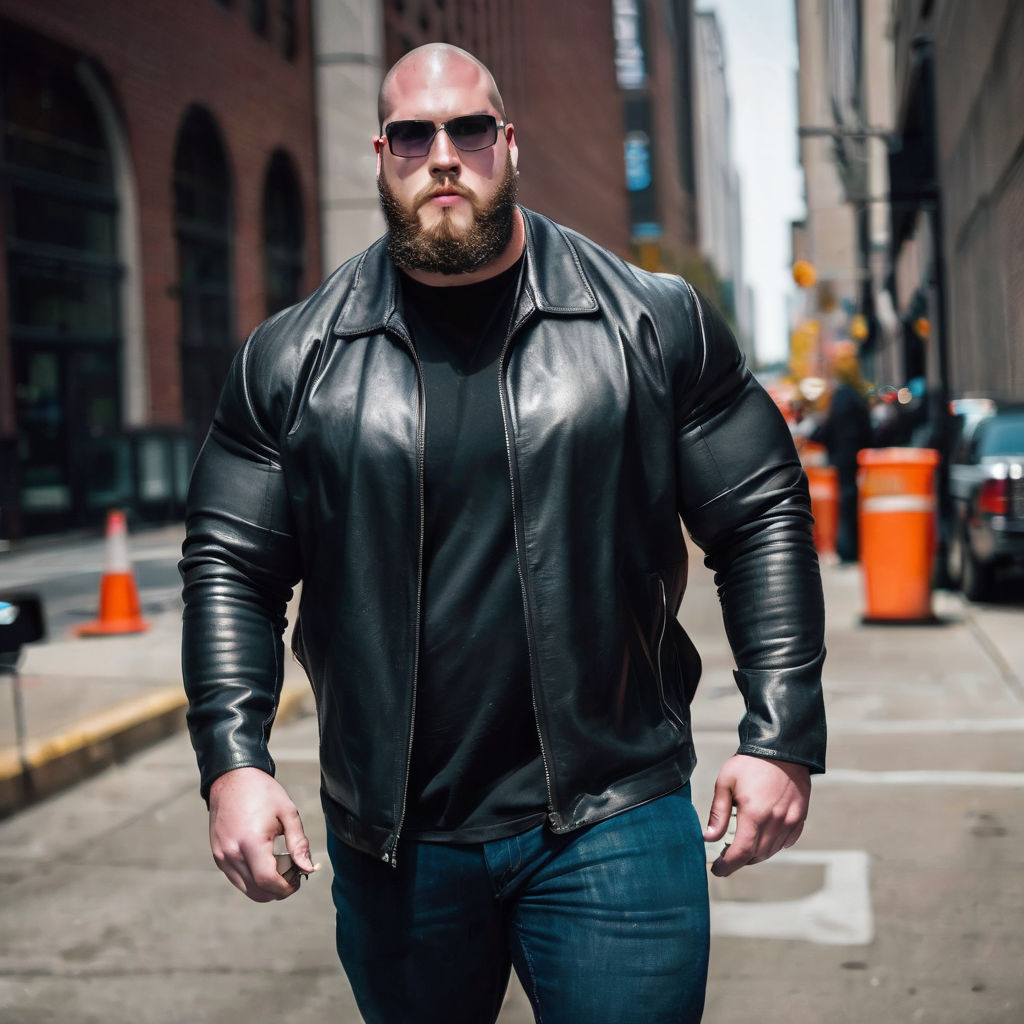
x=468 y=133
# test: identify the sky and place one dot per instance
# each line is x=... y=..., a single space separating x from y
x=759 y=40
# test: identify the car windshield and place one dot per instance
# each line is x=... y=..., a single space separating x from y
x=1003 y=435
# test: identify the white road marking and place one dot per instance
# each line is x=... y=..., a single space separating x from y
x=926 y=777
x=929 y=725
x=890 y=727
x=838 y=914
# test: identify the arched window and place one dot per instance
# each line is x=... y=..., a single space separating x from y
x=288 y=38
x=283 y=233
x=203 y=225
x=63 y=281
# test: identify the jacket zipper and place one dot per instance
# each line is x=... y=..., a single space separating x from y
x=390 y=855
x=519 y=553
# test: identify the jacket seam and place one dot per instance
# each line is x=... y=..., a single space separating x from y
x=700 y=325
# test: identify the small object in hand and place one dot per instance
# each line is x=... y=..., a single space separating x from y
x=291 y=871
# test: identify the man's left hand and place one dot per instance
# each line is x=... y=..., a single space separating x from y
x=771 y=800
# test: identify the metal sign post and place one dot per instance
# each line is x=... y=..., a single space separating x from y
x=21 y=622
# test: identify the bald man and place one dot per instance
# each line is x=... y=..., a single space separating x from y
x=473 y=445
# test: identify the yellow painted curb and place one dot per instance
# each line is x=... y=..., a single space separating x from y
x=92 y=729
x=104 y=725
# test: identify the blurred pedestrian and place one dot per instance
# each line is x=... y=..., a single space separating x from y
x=473 y=445
x=887 y=426
x=845 y=431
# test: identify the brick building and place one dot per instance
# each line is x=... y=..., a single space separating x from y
x=158 y=198
x=170 y=174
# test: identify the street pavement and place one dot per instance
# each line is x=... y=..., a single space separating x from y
x=903 y=900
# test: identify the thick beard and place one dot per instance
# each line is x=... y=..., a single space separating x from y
x=441 y=249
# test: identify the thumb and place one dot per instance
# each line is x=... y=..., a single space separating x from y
x=721 y=812
x=296 y=843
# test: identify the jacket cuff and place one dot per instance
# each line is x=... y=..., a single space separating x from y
x=785 y=718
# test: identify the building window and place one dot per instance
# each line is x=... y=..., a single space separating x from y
x=283 y=233
x=63 y=278
x=288 y=37
x=257 y=11
x=203 y=225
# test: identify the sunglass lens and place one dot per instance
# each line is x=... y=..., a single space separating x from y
x=410 y=138
x=472 y=132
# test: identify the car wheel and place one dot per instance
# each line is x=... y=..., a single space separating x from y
x=975 y=576
x=955 y=560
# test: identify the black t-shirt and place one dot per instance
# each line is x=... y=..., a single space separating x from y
x=476 y=770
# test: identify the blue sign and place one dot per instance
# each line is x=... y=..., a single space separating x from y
x=638 y=161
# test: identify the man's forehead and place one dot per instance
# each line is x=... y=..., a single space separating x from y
x=438 y=84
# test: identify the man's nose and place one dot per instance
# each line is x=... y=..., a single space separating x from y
x=444 y=157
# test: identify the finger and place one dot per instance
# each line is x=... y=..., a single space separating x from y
x=768 y=840
x=292 y=875
x=268 y=881
x=785 y=838
x=744 y=848
x=779 y=833
x=237 y=872
x=296 y=843
x=721 y=811
x=794 y=836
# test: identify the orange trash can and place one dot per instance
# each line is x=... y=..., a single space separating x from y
x=823 y=482
x=896 y=519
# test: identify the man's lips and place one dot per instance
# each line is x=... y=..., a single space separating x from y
x=446 y=198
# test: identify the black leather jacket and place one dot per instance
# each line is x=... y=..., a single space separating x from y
x=627 y=404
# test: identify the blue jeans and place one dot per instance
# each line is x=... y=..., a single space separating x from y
x=607 y=925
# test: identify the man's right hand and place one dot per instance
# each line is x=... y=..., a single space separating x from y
x=248 y=809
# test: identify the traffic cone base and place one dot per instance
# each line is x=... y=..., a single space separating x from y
x=119 y=608
x=119 y=600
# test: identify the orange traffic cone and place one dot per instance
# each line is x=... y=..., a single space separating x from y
x=119 y=600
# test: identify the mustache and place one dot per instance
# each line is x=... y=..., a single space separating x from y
x=446 y=186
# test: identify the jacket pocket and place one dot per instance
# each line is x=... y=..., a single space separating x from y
x=677 y=663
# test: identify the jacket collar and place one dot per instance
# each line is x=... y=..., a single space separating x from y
x=554 y=283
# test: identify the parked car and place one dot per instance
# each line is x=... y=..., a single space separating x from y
x=986 y=486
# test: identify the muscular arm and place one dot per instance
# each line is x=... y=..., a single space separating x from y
x=239 y=565
x=743 y=497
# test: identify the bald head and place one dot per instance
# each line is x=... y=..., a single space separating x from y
x=437 y=65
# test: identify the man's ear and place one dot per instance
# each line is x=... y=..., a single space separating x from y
x=378 y=148
x=513 y=149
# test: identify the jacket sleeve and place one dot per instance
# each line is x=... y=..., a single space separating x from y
x=744 y=500
x=239 y=565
